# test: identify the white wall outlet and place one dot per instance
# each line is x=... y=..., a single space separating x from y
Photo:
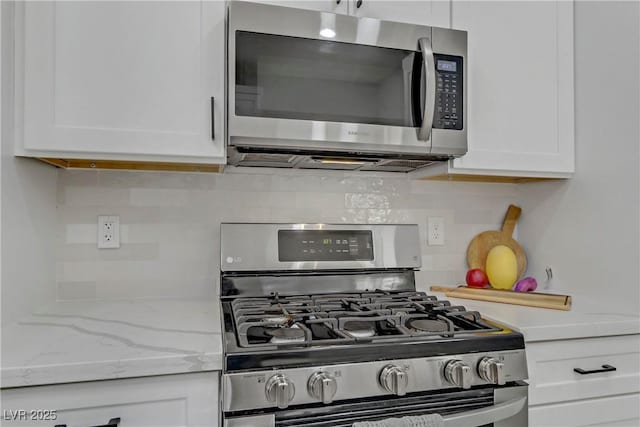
x=108 y=231
x=435 y=234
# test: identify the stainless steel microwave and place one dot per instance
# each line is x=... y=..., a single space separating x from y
x=313 y=89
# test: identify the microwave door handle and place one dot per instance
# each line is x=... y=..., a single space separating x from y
x=489 y=415
x=424 y=133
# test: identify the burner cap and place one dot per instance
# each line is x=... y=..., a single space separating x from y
x=284 y=335
x=429 y=325
x=360 y=329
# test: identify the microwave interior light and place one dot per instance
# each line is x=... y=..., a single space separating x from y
x=342 y=162
x=328 y=33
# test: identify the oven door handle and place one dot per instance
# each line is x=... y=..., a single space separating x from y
x=424 y=133
x=489 y=415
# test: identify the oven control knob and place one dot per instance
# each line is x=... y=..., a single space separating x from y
x=491 y=370
x=394 y=379
x=280 y=390
x=322 y=386
x=458 y=373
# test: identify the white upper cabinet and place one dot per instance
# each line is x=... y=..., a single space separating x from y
x=421 y=12
x=120 y=80
x=520 y=89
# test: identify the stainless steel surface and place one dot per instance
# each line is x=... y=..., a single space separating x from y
x=245 y=390
x=254 y=286
x=509 y=410
x=254 y=247
x=322 y=386
x=429 y=67
x=394 y=379
x=280 y=390
x=268 y=420
x=267 y=19
x=491 y=370
x=458 y=373
x=506 y=394
x=491 y=415
x=279 y=136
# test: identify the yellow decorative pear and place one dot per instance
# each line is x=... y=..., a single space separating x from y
x=502 y=267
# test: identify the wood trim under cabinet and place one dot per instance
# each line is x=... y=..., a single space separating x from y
x=486 y=178
x=131 y=165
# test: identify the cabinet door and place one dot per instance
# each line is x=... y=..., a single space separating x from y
x=622 y=411
x=334 y=6
x=122 y=80
x=519 y=87
x=552 y=364
x=421 y=12
x=165 y=401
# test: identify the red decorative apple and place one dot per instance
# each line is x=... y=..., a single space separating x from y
x=477 y=278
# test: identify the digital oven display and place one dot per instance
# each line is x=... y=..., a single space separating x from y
x=447 y=66
x=325 y=245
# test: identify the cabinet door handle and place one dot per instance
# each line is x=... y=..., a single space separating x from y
x=358 y=4
x=213 y=118
x=113 y=422
x=605 y=368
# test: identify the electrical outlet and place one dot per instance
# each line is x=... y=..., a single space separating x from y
x=108 y=231
x=435 y=236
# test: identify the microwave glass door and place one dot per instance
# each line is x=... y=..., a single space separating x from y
x=308 y=79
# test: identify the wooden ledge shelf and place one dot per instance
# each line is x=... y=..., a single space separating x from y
x=486 y=178
x=131 y=165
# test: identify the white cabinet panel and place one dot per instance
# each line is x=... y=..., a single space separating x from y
x=520 y=85
x=520 y=89
x=165 y=401
x=122 y=80
x=420 y=12
x=622 y=411
x=552 y=363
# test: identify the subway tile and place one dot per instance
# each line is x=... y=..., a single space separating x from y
x=76 y=291
x=170 y=222
x=81 y=233
x=159 y=197
x=94 y=196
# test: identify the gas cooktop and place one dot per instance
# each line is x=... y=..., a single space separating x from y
x=278 y=331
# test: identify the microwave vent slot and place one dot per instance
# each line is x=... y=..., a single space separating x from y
x=398 y=165
x=268 y=160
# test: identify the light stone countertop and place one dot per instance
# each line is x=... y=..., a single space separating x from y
x=98 y=340
x=587 y=318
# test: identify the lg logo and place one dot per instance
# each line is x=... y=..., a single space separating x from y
x=231 y=260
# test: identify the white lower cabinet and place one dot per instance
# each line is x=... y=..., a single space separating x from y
x=606 y=393
x=610 y=411
x=162 y=401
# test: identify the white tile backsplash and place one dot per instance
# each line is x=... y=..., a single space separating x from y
x=170 y=222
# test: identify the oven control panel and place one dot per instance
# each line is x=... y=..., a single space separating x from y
x=310 y=385
x=325 y=245
x=449 y=101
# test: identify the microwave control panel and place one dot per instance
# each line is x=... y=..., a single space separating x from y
x=448 y=113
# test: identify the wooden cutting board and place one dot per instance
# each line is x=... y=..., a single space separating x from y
x=480 y=246
x=530 y=299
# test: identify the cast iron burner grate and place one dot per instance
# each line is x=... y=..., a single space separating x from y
x=309 y=320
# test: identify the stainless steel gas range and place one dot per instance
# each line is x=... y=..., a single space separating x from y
x=323 y=327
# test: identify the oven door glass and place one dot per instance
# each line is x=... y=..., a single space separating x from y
x=307 y=79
